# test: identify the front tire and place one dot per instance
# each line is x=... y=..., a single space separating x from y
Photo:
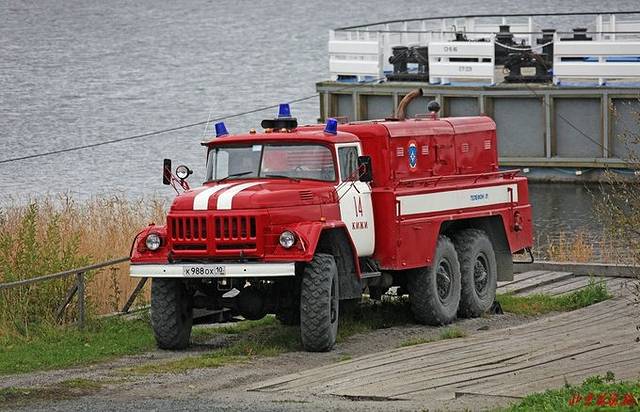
x=319 y=304
x=479 y=272
x=434 y=291
x=171 y=313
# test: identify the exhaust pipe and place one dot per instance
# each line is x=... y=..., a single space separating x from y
x=401 y=111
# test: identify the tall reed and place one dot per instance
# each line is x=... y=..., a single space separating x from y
x=53 y=234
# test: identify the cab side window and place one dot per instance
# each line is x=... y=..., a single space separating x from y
x=348 y=158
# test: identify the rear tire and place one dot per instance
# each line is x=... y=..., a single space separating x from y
x=479 y=272
x=434 y=291
x=171 y=313
x=319 y=304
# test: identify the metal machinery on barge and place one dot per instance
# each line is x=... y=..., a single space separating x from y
x=562 y=88
x=296 y=219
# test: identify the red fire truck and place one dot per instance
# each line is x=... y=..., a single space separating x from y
x=294 y=220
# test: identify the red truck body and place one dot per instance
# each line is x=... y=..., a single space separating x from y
x=432 y=180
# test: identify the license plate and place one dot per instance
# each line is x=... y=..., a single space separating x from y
x=528 y=71
x=203 y=270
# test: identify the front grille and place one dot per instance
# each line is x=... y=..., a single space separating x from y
x=235 y=227
x=222 y=235
x=188 y=228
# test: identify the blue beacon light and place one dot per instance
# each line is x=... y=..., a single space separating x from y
x=331 y=127
x=284 y=110
x=221 y=129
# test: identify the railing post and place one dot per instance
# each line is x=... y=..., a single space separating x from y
x=134 y=294
x=556 y=60
x=80 y=284
x=612 y=26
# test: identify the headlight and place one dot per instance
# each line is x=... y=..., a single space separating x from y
x=287 y=239
x=183 y=172
x=153 y=241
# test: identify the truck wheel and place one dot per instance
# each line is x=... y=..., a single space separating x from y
x=171 y=313
x=478 y=270
x=319 y=304
x=434 y=291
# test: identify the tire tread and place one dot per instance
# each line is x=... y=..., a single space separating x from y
x=465 y=242
x=423 y=295
x=317 y=332
x=166 y=295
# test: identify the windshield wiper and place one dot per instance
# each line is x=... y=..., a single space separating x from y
x=235 y=175
x=295 y=179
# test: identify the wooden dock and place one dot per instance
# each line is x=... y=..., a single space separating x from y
x=511 y=363
x=558 y=283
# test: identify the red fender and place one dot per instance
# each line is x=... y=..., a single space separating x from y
x=140 y=253
x=310 y=232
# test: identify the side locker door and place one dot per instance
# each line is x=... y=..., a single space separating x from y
x=356 y=207
x=445 y=158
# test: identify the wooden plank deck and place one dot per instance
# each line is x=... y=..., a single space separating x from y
x=509 y=363
x=557 y=283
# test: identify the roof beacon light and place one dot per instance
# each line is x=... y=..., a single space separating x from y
x=332 y=126
x=284 y=111
x=282 y=121
x=221 y=129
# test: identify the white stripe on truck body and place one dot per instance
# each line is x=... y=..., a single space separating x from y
x=457 y=199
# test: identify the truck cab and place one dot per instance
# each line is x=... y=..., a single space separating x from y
x=297 y=218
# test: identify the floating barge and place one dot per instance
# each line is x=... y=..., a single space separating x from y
x=565 y=102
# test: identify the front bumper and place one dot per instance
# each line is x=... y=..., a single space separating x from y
x=222 y=270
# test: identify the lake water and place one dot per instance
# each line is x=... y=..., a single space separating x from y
x=77 y=72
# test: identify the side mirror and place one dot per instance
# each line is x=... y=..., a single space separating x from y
x=364 y=169
x=166 y=172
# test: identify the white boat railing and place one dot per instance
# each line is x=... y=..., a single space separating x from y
x=604 y=60
x=361 y=53
x=359 y=58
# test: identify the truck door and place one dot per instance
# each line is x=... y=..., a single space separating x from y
x=356 y=208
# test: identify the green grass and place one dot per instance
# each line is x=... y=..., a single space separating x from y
x=537 y=304
x=576 y=398
x=452 y=333
x=62 y=347
x=344 y=358
x=446 y=333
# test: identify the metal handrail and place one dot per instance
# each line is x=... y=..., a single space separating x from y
x=434 y=31
x=78 y=287
x=508 y=174
x=63 y=274
x=464 y=16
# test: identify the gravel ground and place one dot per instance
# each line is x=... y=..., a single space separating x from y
x=225 y=388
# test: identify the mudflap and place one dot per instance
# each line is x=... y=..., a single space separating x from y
x=350 y=285
x=504 y=263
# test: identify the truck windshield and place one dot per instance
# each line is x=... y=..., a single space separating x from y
x=301 y=161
